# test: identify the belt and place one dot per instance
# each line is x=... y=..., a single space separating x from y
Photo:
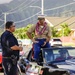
x=40 y=38
x=7 y=57
x=11 y=57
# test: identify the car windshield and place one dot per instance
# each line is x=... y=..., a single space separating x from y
x=58 y=54
x=56 y=39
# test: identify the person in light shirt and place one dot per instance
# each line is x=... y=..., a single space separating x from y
x=42 y=35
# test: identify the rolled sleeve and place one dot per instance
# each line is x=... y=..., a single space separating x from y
x=31 y=29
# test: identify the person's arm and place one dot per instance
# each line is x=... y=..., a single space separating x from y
x=12 y=44
x=30 y=37
x=29 y=33
x=48 y=39
x=49 y=34
x=15 y=47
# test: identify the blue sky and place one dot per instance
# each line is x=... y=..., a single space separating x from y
x=5 y=1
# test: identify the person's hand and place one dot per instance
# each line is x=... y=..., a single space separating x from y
x=20 y=48
x=34 y=41
x=44 y=44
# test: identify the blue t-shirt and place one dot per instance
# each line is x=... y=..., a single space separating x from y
x=8 y=40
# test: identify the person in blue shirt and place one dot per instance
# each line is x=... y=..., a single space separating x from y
x=10 y=49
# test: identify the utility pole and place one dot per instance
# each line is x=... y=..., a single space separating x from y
x=42 y=7
x=5 y=18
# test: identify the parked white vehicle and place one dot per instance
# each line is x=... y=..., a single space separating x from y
x=56 y=42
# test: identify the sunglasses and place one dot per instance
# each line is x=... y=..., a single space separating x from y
x=13 y=26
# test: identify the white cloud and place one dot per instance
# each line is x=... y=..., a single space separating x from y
x=5 y=1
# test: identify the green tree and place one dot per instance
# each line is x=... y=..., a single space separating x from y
x=65 y=30
x=54 y=32
x=21 y=32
